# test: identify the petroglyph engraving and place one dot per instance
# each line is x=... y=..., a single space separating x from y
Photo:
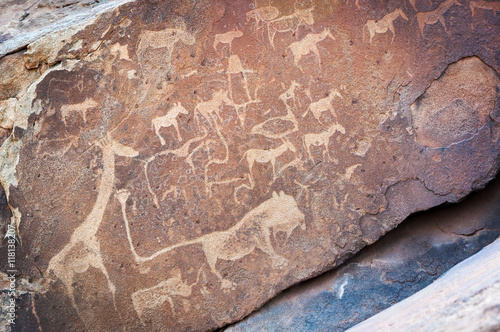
x=349 y=172
x=164 y=38
x=182 y=152
x=279 y=213
x=265 y=156
x=212 y=106
x=385 y=24
x=289 y=94
x=226 y=38
x=81 y=108
x=262 y=15
x=317 y=107
x=289 y=23
x=432 y=17
x=206 y=109
x=308 y=45
x=83 y=249
x=265 y=128
x=235 y=67
x=485 y=5
x=170 y=119
x=322 y=138
x=121 y=51
x=149 y=298
x=413 y=4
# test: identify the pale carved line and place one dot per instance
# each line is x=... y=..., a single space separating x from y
x=148 y=298
x=84 y=238
x=262 y=15
x=290 y=116
x=170 y=119
x=485 y=5
x=385 y=24
x=265 y=156
x=309 y=45
x=226 y=38
x=432 y=17
x=280 y=213
x=82 y=108
x=322 y=138
x=289 y=23
x=317 y=107
x=182 y=152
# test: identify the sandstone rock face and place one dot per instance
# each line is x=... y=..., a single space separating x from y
x=176 y=164
x=467 y=298
x=398 y=265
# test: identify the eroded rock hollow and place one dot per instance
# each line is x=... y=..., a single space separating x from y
x=172 y=165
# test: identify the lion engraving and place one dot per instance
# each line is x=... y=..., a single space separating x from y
x=279 y=213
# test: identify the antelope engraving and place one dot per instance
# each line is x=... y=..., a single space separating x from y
x=317 y=107
x=385 y=24
x=435 y=16
x=279 y=213
x=322 y=138
x=207 y=108
x=262 y=15
x=164 y=38
x=82 y=108
x=289 y=23
x=83 y=249
x=226 y=38
x=170 y=119
x=308 y=45
x=486 y=5
x=265 y=128
x=265 y=156
x=149 y=298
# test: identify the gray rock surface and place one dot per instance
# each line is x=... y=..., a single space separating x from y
x=466 y=298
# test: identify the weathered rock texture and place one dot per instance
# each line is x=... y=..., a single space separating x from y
x=178 y=163
x=466 y=298
x=22 y=22
x=404 y=261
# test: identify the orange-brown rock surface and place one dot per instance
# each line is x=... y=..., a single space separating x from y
x=178 y=163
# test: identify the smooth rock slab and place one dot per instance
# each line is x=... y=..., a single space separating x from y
x=398 y=265
x=466 y=298
x=179 y=163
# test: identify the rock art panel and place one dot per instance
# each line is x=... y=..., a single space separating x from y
x=216 y=153
x=404 y=261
